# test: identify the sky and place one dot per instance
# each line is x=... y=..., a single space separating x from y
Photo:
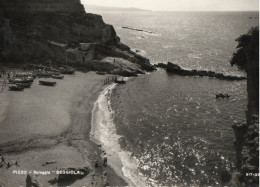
x=181 y=5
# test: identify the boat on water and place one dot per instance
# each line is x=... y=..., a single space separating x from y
x=16 y=88
x=221 y=95
x=57 y=76
x=120 y=81
x=47 y=83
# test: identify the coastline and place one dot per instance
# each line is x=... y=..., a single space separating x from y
x=70 y=146
x=103 y=132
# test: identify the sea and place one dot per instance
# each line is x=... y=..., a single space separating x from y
x=161 y=129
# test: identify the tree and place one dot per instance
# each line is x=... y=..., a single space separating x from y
x=247 y=49
x=247 y=136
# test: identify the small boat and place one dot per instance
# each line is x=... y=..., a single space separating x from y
x=30 y=79
x=44 y=75
x=47 y=83
x=21 y=80
x=57 y=76
x=24 y=85
x=120 y=81
x=16 y=88
x=101 y=73
x=221 y=95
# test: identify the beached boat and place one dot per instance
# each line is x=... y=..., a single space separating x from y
x=24 y=85
x=221 y=95
x=47 y=83
x=16 y=88
x=21 y=80
x=44 y=74
x=120 y=81
x=101 y=73
x=57 y=76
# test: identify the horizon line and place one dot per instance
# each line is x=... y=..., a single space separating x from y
x=145 y=10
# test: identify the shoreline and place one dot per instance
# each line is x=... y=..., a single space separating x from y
x=70 y=147
x=103 y=133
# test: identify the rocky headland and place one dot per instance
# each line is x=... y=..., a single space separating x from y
x=176 y=69
x=44 y=32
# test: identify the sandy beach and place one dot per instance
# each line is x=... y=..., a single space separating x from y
x=47 y=129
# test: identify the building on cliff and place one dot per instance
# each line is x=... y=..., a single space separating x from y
x=83 y=54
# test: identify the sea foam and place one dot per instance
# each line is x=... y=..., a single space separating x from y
x=103 y=132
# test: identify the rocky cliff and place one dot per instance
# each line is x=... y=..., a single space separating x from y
x=27 y=26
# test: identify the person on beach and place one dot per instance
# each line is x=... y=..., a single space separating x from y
x=105 y=162
x=96 y=164
x=16 y=163
x=8 y=165
x=2 y=159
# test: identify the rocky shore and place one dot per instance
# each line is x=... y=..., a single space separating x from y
x=176 y=69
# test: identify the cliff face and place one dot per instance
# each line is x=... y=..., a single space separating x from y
x=27 y=26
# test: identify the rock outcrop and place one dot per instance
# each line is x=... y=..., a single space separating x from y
x=176 y=69
x=122 y=51
x=31 y=181
x=118 y=66
x=26 y=28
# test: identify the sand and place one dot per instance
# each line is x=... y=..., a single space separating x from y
x=52 y=124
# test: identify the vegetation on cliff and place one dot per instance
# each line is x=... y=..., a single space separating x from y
x=247 y=135
x=248 y=49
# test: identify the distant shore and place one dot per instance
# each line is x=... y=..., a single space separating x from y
x=47 y=129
